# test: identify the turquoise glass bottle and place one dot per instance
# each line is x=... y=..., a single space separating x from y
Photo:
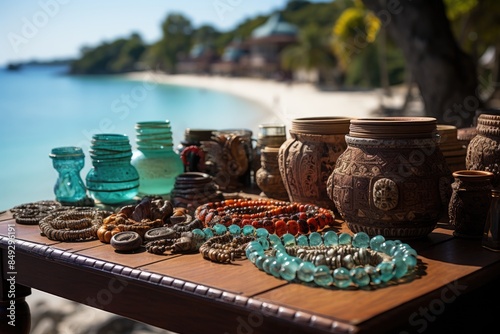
x=155 y=159
x=68 y=161
x=112 y=179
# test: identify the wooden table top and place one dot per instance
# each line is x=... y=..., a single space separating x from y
x=185 y=293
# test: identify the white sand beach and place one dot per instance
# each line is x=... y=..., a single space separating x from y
x=287 y=100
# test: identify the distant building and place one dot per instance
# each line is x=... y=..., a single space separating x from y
x=234 y=60
x=266 y=44
x=257 y=56
x=199 y=60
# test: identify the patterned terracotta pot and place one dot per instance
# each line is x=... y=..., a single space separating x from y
x=470 y=202
x=307 y=159
x=483 y=151
x=392 y=179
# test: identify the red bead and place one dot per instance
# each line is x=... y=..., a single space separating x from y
x=313 y=224
x=303 y=227
x=321 y=221
x=329 y=218
x=268 y=225
x=293 y=227
x=280 y=228
x=208 y=218
x=257 y=224
x=236 y=221
x=246 y=222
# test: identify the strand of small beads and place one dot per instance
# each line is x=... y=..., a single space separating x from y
x=328 y=260
x=276 y=217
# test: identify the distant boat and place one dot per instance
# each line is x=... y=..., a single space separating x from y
x=14 y=67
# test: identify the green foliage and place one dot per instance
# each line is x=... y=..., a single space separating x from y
x=242 y=31
x=364 y=71
x=312 y=50
x=354 y=30
x=457 y=8
x=176 y=41
x=118 y=56
x=475 y=23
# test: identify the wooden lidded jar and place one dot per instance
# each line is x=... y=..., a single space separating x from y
x=453 y=150
x=308 y=157
x=483 y=151
x=392 y=179
x=268 y=177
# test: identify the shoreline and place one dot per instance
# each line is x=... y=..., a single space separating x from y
x=286 y=100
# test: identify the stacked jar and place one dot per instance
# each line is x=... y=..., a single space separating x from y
x=266 y=167
x=112 y=179
x=453 y=150
x=155 y=159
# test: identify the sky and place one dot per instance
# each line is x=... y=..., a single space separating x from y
x=48 y=29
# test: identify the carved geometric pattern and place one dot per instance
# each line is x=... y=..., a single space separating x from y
x=385 y=194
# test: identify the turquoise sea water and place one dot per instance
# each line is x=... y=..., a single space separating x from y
x=42 y=108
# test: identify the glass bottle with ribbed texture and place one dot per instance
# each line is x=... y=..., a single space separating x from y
x=155 y=159
x=68 y=161
x=112 y=179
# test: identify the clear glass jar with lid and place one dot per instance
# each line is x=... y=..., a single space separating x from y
x=155 y=159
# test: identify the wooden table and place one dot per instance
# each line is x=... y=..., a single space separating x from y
x=187 y=294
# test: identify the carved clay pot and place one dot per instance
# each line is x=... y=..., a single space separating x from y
x=392 y=179
x=268 y=176
x=470 y=202
x=483 y=151
x=307 y=159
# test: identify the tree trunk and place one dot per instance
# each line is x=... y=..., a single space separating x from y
x=445 y=75
x=382 y=60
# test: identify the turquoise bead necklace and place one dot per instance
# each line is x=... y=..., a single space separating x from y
x=326 y=260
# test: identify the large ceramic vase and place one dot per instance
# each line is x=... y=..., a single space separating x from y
x=483 y=151
x=470 y=202
x=308 y=157
x=392 y=179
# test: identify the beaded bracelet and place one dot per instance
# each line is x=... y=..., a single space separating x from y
x=328 y=260
x=276 y=217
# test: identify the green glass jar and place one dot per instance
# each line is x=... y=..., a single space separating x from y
x=68 y=162
x=155 y=159
x=112 y=179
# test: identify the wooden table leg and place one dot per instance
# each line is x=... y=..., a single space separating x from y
x=15 y=314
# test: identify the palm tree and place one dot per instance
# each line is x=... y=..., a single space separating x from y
x=354 y=36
